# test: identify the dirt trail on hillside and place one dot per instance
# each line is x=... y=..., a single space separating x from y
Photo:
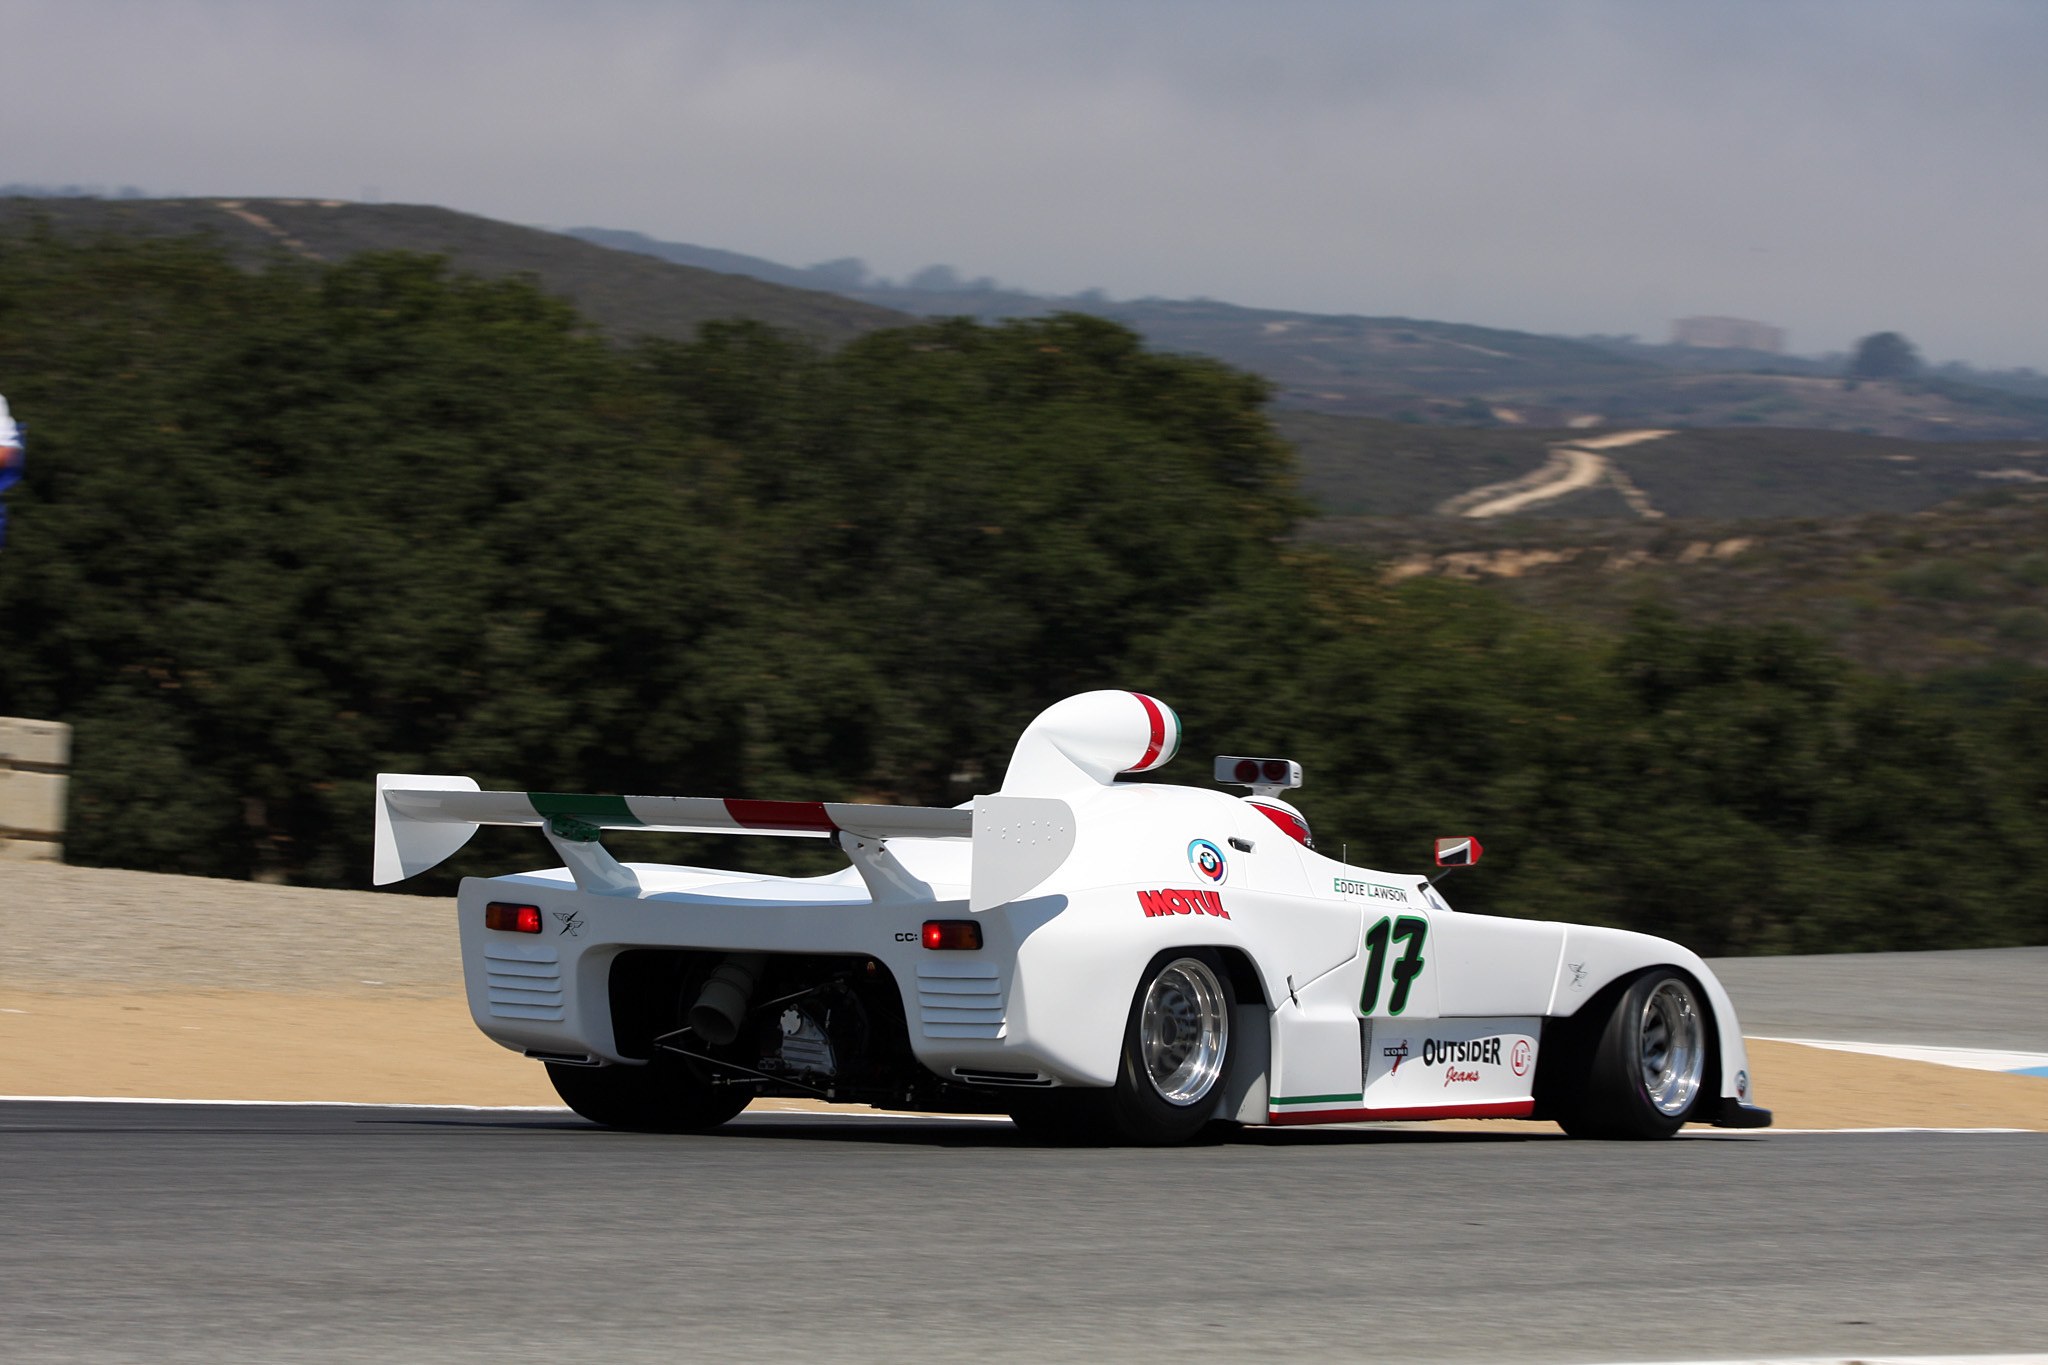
x=133 y=984
x=1572 y=467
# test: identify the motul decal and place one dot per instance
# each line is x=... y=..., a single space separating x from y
x=1182 y=903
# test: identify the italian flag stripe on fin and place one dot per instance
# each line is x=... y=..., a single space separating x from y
x=605 y=810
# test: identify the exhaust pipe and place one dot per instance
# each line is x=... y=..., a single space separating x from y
x=722 y=1004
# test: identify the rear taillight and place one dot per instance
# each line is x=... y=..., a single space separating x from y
x=952 y=933
x=517 y=919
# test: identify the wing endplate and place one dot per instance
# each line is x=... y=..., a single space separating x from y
x=1019 y=841
x=423 y=819
x=408 y=842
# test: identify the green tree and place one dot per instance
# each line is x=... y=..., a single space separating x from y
x=293 y=527
x=1884 y=355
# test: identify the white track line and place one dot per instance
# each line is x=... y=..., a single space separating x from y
x=284 y=1104
x=1969 y=1058
x=475 y=1108
x=867 y=1114
x=1780 y=1132
x=1866 y=1359
x=876 y=1114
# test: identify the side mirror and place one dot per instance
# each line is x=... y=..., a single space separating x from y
x=1459 y=851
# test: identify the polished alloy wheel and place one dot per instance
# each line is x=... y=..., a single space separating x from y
x=1184 y=1031
x=1674 y=1053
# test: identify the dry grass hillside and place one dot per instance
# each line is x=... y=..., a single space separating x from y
x=1399 y=369
x=1420 y=371
x=1415 y=371
x=1355 y=466
x=624 y=293
x=1962 y=586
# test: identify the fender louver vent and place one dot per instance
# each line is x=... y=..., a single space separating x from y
x=525 y=981
x=959 y=1000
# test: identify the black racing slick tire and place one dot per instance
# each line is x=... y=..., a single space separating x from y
x=1061 y=1116
x=1177 y=1053
x=656 y=1098
x=1646 y=1071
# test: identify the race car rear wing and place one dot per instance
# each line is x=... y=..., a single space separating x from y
x=424 y=819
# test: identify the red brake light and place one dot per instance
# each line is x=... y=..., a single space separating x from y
x=952 y=933
x=517 y=919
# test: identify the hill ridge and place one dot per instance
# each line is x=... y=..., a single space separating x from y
x=624 y=294
x=1419 y=370
x=1401 y=369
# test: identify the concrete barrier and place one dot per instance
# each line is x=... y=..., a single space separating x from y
x=35 y=758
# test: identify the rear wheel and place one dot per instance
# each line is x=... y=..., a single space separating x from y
x=1177 y=1050
x=657 y=1098
x=1648 y=1064
x=1061 y=1115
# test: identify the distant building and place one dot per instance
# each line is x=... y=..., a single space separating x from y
x=1737 y=333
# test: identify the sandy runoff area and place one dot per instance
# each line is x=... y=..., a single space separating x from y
x=134 y=984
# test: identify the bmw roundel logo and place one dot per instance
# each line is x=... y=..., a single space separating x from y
x=1207 y=860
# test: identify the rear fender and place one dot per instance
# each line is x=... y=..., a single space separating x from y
x=1077 y=969
x=1595 y=960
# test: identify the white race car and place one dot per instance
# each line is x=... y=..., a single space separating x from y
x=1086 y=954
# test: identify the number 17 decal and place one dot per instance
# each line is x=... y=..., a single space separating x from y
x=1377 y=941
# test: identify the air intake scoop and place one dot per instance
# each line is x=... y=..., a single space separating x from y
x=1089 y=740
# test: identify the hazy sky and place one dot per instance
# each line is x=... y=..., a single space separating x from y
x=1835 y=167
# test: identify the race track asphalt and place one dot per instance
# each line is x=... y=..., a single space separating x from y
x=1968 y=997
x=215 y=1233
